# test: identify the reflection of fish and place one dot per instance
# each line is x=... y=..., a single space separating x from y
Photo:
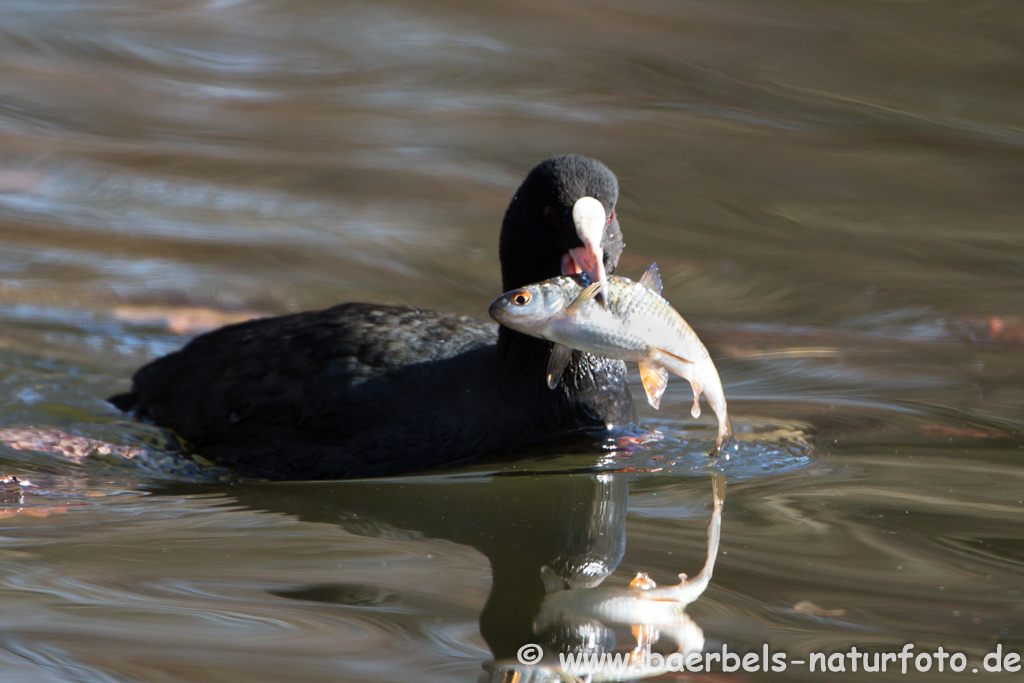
x=642 y=602
x=650 y=611
x=634 y=324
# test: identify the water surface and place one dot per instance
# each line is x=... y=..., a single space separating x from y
x=832 y=192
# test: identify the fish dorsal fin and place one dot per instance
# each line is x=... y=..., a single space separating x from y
x=651 y=279
x=559 y=358
x=583 y=298
x=655 y=379
x=553 y=583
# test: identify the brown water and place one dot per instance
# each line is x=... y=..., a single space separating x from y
x=833 y=192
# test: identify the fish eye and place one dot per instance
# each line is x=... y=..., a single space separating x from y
x=521 y=298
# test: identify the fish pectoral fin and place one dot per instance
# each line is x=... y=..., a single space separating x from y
x=725 y=434
x=559 y=358
x=583 y=298
x=553 y=583
x=655 y=379
x=651 y=279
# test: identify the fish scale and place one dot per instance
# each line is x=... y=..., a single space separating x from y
x=620 y=319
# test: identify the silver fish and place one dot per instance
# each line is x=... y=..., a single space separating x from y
x=634 y=324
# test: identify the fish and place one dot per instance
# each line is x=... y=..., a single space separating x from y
x=634 y=324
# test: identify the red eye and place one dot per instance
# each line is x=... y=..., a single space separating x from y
x=611 y=217
x=550 y=215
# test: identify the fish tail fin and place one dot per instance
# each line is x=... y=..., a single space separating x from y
x=725 y=435
x=718 y=489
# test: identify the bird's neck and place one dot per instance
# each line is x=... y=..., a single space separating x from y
x=593 y=391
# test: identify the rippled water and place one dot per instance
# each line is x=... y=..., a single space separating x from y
x=833 y=194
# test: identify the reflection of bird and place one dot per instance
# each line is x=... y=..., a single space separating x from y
x=643 y=603
x=581 y=621
x=364 y=389
x=573 y=523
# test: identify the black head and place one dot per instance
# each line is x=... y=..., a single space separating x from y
x=538 y=230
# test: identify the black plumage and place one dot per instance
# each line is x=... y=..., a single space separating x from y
x=365 y=390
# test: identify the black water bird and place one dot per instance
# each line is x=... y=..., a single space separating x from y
x=366 y=390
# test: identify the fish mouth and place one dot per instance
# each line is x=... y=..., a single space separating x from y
x=590 y=220
x=497 y=310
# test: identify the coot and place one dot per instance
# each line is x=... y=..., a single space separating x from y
x=365 y=389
